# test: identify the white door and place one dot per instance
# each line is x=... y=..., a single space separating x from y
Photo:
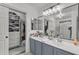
x=4 y=48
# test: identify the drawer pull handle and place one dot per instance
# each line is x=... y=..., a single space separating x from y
x=6 y=36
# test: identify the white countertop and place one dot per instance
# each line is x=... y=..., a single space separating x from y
x=64 y=45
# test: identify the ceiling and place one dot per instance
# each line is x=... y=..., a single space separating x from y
x=38 y=6
x=41 y=6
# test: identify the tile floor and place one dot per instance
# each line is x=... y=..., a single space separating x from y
x=25 y=53
x=17 y=51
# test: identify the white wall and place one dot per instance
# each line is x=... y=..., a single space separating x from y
x=31 y=12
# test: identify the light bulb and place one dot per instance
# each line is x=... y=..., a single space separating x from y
x=54 y=9
x=58 y=8
x=60 y=15
x=49 y=11
x=43 y=13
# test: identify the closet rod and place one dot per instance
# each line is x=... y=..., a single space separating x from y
x=12 y=8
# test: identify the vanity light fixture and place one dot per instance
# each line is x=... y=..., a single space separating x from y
x=49 y=11
x=53 y=10
x=44 y=13
x=59 y=8
x=32 y=18
x=60 y=15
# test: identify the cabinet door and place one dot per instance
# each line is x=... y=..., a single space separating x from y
x=61 y=52
x=32 y=46
x=46 y=49
x=4 y=40
x=37 y=48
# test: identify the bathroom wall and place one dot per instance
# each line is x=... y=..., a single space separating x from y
x=74 y=21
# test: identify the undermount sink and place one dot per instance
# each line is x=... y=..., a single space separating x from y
x=57 y=41
x=45 y=39
x=61 y=41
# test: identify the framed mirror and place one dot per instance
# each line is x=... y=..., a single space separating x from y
x=36 y=24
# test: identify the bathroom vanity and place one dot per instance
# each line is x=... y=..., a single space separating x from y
x=45 y=46
x=64 y=28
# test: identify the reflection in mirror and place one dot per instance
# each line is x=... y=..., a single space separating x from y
x=45 y=26
x=66 y=30
x=49 y=26
x=78 y=28
x=36 y=24
x=66 y=26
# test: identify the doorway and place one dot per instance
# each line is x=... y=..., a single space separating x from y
x=16 y=33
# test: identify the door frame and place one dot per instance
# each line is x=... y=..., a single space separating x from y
x=15 y=9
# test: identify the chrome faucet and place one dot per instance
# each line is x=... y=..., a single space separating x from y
x=59 y=39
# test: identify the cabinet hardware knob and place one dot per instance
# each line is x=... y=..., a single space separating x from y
x=6 y=36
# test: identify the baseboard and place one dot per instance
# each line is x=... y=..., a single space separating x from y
x=27 y=51
x=14 y=47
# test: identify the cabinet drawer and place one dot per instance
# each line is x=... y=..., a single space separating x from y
x=46 y=49
x=32 y=46
x=58 y=51
x=37 y=48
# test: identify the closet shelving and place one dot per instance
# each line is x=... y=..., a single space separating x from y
x=13 y=22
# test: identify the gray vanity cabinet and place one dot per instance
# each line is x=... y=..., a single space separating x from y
x=58 y=51
x=38 y=48
x=32 y=46
x=46 y=49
